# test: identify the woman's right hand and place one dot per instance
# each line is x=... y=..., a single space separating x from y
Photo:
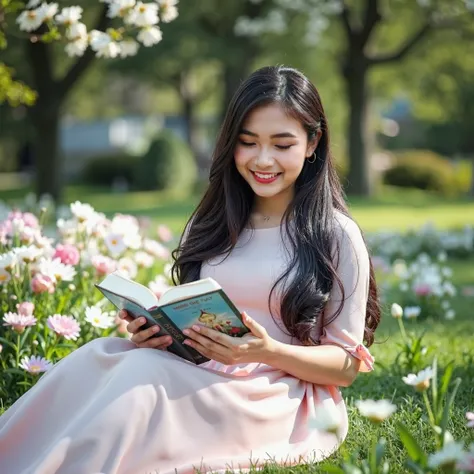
x=143 y=337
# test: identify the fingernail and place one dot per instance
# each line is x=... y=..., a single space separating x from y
x=186 y=331
x=196 y=328
x=187 y=342
x=156 y=328
x=169 y=340
x=143 y=320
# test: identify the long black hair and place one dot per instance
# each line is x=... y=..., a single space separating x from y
x=224 y=211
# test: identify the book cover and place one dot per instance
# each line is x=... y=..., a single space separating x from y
x=212 y=309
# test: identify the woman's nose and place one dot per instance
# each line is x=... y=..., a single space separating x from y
x=264 y=159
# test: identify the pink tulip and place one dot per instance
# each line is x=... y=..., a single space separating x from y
x=26 y=308
x=42 y=284
x=67 y=253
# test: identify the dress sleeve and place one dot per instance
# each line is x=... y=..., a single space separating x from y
x=353 y=268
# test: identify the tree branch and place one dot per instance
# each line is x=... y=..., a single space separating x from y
x=81 y=65
x=405 y=49
x=345 y=17
x=371 y=18
x=41 y=63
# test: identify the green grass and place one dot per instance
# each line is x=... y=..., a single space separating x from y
x=391 y=209
x=452 y=340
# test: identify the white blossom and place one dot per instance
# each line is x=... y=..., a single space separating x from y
x=128 y=48
x=115 y=244
x=120 y=8
x=143 y=15
x=127 y=267
x=412 y=312
x=150 y=36
x=103 y=44
x=168 y=10
x=450 y=314
x=47 y=11
x=81 y=211
x=69 y=15
x=29 y=20
x=77 y=31
x=56 y=270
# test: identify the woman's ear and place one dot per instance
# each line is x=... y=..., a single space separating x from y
x=313 y=144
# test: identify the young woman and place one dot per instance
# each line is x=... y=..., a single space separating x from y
x=274 y=231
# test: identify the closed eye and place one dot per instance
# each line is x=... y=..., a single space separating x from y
x=283 y=147
x=246 y=143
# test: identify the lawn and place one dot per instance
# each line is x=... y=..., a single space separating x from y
x=451 y=340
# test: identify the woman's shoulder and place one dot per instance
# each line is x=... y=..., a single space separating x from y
x=348 y=232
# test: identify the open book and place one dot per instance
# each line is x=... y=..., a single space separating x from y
x=201 y=302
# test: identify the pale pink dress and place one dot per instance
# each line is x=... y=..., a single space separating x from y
x=114 y=409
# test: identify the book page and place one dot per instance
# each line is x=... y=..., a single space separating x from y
x=129 y=289
x=188 y=290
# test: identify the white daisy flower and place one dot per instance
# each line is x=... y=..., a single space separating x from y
x=144 y=259
x=28 y=254
x=420 y=381
x=5 y=277
x=376 y=411
x=412 y=312
x=448 y=456
x=81 y=211
x=97 y=318
x=156 y=249
x=8 y=260
x=127 y=267
x=56 y=270
x=115 y=244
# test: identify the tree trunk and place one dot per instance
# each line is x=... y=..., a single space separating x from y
x=45 y=118
x=359 y=181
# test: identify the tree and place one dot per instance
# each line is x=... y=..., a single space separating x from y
x=361 y=23
x=43 y=26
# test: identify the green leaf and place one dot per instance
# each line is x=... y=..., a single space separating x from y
x=331 y=469
x=447 y=407
x=414 y=467
x=448 y=373
x=380 y=451
x=434 y=386
x=413 y=448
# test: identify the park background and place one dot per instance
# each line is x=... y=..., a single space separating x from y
x=135 y=136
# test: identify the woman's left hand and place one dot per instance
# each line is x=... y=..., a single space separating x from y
x=255 y=346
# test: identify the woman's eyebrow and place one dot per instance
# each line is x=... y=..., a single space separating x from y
x=276 y=135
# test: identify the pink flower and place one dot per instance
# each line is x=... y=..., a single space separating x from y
x=103 y=265
x=164 y=233
x=422 y=289
x=18 y=322
x=26 y=308
x=30 y=220
x=42 y=284
x=362 y=353
x=470 y=419
x=65 y=326
x=35 y=365
x=67 y=253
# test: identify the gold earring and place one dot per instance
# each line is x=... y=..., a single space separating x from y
x=313 y=158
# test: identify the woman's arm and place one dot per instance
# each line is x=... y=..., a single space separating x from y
x=324 y=365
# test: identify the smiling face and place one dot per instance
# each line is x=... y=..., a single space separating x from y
x=271 y=151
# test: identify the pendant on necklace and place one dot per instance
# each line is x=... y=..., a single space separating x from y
x=266 y=218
